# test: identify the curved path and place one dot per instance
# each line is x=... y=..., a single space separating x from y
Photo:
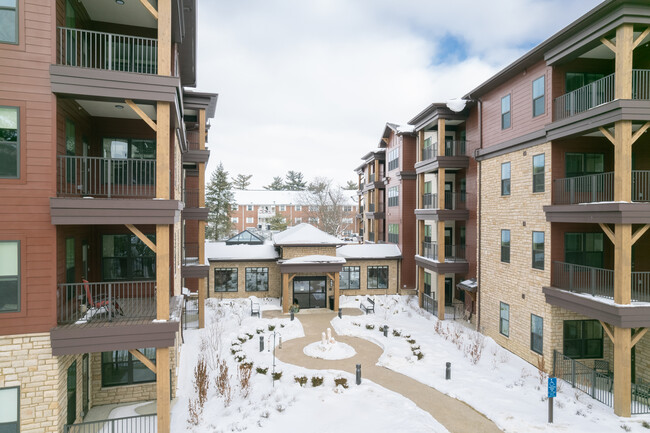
x=456 y=416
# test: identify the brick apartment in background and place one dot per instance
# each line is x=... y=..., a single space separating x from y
x=102 y=153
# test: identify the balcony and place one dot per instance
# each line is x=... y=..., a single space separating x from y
x=455 y=157
x=452 y=148
x=191 y=267
x=455 y=207
x=374 y=181
x=590 y=291
x=138 y=423
x=375 y=212
x=455 y=261
x=453 y=253
x=194 y=152
x=371 y=236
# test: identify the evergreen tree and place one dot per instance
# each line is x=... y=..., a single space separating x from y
x=294 y=181
x=276 y=185
x=218 y=198
x=241 y=181
x=351 y=185
x=277 y=222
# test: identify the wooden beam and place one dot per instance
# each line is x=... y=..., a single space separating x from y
x=337 y=292
x=608 y=331
x=142 y=114
x=637 y=235
x=622 y=371
x=640 y=131
x=163 y=390
x=286 y=300
x=608 y=232
x=608 y=44
x=162 y=272
x=150 y=8
x=607 y=134
x=291 y=277
x=638 y=335
x=330 y=276
x=641 y=37
x=143 y=359
x=141 y=236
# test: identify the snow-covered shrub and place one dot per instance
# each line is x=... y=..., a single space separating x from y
x=342 y=381
x=302 y=380
x=316 y=381
x=277 y=375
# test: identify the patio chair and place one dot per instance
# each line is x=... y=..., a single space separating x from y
x=100 y=304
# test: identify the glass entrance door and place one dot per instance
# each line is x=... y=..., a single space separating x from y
x=449 y=291
x=309 y=292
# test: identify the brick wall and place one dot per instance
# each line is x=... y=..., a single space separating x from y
x=292 y=252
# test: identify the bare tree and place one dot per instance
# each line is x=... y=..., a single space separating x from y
x=324 y=204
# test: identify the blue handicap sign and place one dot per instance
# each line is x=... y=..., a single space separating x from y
x=552 y=387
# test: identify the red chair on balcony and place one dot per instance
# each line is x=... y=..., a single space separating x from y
x=101 y=304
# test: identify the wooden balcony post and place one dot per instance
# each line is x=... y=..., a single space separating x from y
x=420 y=285
x=622 y=371
x=286 y=299
x=441 y=295
x=624 y=54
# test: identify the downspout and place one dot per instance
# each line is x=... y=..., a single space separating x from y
x=480 y=201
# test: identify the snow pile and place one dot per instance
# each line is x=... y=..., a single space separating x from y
x=369 y=251
x=314 y=259
x=329 y=348
x=405 y=129
x=456 y=105
x=304 y=234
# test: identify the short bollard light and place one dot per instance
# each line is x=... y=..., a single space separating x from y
x=358 y=374
x=340 y=313
x=385 y=330
x=261 y=343
x=292 y=316
x=280 y=345
x=448 y=371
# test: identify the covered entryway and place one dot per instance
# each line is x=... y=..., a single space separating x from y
x=310 y=292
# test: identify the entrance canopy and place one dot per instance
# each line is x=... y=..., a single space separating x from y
x=314 y=263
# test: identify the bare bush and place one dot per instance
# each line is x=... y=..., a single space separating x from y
x=222 y=383
x=245 y=371
x=475 y=347
x=541 y=369
x=201 y=385
x=193 y=417
x=212 y=344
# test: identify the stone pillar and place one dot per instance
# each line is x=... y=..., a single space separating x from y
x=336 y=291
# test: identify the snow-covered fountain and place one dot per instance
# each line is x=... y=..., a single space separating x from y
x=328 y=348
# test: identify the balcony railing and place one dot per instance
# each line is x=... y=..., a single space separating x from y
x=108 y=51
x=106 y=301
x=191 y=197
x=106 y=177
x=598 y=187
x=453 y=200
x=193 y=140
x=453 y=253
x=641 y=84
x=371 y=178
x=139 y=423
x=584 y=98
x=371 y=236
x=597 y=281
x=452 y=148
x=371 y=207
x=190 y=253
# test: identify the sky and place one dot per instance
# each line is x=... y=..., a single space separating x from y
x=309 y=85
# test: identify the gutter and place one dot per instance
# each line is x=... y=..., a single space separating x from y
x=478 y=265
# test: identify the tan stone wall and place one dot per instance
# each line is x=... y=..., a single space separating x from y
x=292 y=252
x=64 y=362
x=643 y=360
x=393 y=284
x=275 y=279
x=515 y=283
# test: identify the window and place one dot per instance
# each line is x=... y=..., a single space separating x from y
x=313 y=208
x=427 y=233
x=249 y=207
x=584 y=249
x=249 y=220
x=537 y=334
x=257 y=279
x=225 y=280
x=234 y=220
x=393 y=196
x=9 y=21
x=9 y=139
x=350 y=278
x=505 y=246
x=538 y=173
x=393 y=159
x=538 y=250
x=427 y=283
x=298 y=208
x=583 y=339
x=125 y=172
x=347 y=220
x=347 y=208
x=234 y=207
x=298 y=220
x=505 y=178
x=505 y=112
x=504 y=319
x=575 y=80
x=283 y=208
x=70 y=272
x=126 y=257
x=377 y=277
x=583 y=164
x=538 y=97
x=10 y=404
x=313 y=220
x=121 y=368
x=393 y=233
x=9 y=276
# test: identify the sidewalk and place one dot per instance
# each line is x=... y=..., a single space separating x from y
x=455 y=415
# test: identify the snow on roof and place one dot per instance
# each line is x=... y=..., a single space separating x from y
x=271 y=198
x=369 y=251
x=304 y=234
x=315 y=259
x=215 y=251
x=405 y=129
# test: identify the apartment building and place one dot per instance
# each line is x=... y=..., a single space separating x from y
x=95 y=150
x=255 y=208
x=387 y=195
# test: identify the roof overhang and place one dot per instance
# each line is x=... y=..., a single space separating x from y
x=300 y=268
x=80 y=211
x=435 y=111
x=201 y=101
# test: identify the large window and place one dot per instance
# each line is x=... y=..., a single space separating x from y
x=257 y=279
x=377 y=277
x=393 y=233
x=505 y=246
x=583 y=339
x=575 y=80
x=537 y=334
x=582 y=164
x=9 y=23
x=505 y=178
x=505 y=112
x=393 y=159
x=9 y=138
x=121 y=368
x=9 y=276
x=126 y=257
x=504 y=319
x=538 y=97
x=584 y=249
x=10 y=410
x=538 y=173
x=538 y=250
x=350 y=278
x=225 y=280
x=136 y=172
x=393 y=196
x=427 y=283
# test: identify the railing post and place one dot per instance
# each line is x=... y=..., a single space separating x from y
x=573 y=373
x=109 y=43
x=572 y=192
x=592 y=281
x=108 y=176
x=593 y=383
x=108 y=307
x=570 y=277
x=593 y=188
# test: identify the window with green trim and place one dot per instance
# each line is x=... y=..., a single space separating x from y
x=504 y=319
x=505 y=246
x=539 y=99
x=583 y=339
x=393 y=196
x=584 y=249
x=505 y=178
x=10 y=409
x=9 y=276
x=538 y=173
x=393 y=233
x=9 y=142
x=9 y=21
x=538 y=250
x=505 y=112
x=537 y=334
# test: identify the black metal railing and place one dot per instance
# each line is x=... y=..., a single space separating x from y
x=593 y=383
x=452 y=252
x=453 y=311
x=139 y=423
x=598 y=188
x=191 y=197
x=640 y=399
x=371 y=207
x=106 y=177
x=452 y=148
x=105 y=301
x=190 y=253
x=453 y=200
x=193 y=140
x=371 y=236
x=584 y=98
x=641 y=84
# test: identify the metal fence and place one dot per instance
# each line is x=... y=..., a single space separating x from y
x=131 y=424
x=598 y=187
x=641 y=84
x=452 y=148
x=452 y=252
x=453 y=312
x=108 y=51
x=191 y=313
x=102 y=302
x=191 y=197
x=584 y=98
x=453 y=200
x=106 y=177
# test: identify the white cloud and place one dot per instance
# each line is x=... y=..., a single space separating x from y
x=308 y=86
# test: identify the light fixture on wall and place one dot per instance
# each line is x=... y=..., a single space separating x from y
x=119 y=107
x=119 y=2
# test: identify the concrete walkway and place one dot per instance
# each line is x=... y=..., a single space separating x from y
x=456 y=416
